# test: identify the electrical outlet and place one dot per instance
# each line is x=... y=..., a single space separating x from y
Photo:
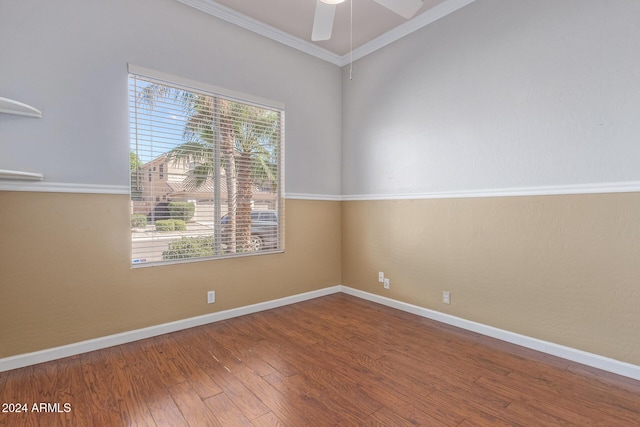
x=211 y=297
x=446 y=297
x=380 y=276
x=386 y=283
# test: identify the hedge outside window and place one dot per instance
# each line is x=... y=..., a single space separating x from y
x=206 y=171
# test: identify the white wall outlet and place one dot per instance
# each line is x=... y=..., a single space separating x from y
x=211 y=297
x=446 y=297
x=380 y=276
x=387 y=284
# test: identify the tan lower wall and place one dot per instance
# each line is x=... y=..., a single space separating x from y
x=564 y=269
x=65 y=272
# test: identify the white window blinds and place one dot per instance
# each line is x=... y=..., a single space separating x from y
x=206 y=172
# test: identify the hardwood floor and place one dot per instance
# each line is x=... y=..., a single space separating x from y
x=336 y=360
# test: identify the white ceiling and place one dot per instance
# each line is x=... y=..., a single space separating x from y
x=291 y=21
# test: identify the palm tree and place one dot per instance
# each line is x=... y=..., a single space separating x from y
x=255 y=128
x=245 y=134
x=201 y=132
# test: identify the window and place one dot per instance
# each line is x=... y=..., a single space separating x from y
x=214 y=158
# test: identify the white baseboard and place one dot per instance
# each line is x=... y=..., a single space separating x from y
x=568 y=353
x=22 y=360
x=578 y=356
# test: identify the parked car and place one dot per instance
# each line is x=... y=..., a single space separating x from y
x=264 y=229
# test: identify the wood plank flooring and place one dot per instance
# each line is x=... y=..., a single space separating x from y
x=332 y=361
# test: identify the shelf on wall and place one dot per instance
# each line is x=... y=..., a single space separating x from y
x=26 y=176
x=10 y=106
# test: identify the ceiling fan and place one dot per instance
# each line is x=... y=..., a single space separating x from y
x=326 y=9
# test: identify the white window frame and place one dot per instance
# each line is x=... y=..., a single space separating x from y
x=212 y=90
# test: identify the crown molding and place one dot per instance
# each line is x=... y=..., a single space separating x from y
x=219 y=11
x=439 y=11
x=230 y=15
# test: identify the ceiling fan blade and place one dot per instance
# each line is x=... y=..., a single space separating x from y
x=323 y=21
x=404 y=8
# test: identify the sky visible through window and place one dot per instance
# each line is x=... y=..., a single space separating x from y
x=160 y=125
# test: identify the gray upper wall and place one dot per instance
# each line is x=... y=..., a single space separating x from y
x=69 y=58
x=500 y=94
